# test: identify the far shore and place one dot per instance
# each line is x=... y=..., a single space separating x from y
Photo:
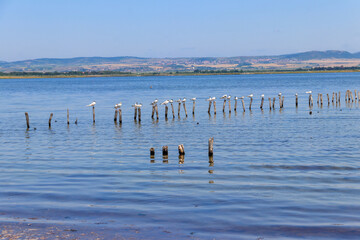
x=172 y=74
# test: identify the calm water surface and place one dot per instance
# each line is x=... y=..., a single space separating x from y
x=279 y=174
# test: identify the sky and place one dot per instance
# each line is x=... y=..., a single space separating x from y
x=32 y=29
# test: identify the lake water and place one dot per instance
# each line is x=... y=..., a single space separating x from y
x=275 y=174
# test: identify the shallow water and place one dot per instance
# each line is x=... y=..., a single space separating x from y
x=275 y=174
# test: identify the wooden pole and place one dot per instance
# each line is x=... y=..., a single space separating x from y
x=321 y=99
x=181 y=150
x=209 y=107
x=214 y=103
x=229 y=101
x=27 y=120
x=165 y=151
x=346 y=93
x=339 y=97
x=270 y=103
x=139 y=114
x=251 y=100
x=224 y=105
x=193 y=110
x=166 y=111
x=235 y=107
x=93 y=108
x=152 y=152
x=211 y=147
x=179 y=106
x=157 y=111
x=243 y=103
x=328 y=98
x=116 y=114
x=172 y=109
x=318 y=99
x=120 y=116
x=51 y=115
x=336 y=98
x=184 y=105
x=282 y=101
x=68 y=120
x=262 y=103
x=333 y=95
x=355 y=95
x=273 y=105
x=296 y=100
x=152 y=111
x=352 y=97
x=311 y=101
x=135 y=113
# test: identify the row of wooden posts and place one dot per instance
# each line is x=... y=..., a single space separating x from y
x=181 y=149
x=349 y=97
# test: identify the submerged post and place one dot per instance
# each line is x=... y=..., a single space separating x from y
x=116 y=114
x=120 y=116
x=27 y=120
x=328 y=98
x=67 y=117
x=251 y=100
x=209 y=106
x=193 y=108
x=333 y=95
x=152 y=152
x=262 y=101
x=166 y=111
x=236 y=98
x=211 y=147
x=165 y=151
x=273 y=105
x=224 y=105
x=181 y=150
x=282 y=102
x=93 y=108
x=139 y=114
x=153 y=111
x=229 y=101
x=135 y=112
x=51 y=115
x=184 y=105
x=179 y=107
x=321 y=99
x=296 y=100
x=214 y=103
x=172 y=108
x=270 y=103
x=157 y=111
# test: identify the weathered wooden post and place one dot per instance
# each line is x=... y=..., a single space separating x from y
x=333 y=95
x=120 y=116
x=352 y=97
x=135 y=111
x=157 y=111
x=282 y=101
x=311 y=101
x=152 y=111
x=262 y=101
x=139 y=112
x=355 y=95
x=210 y=102
x=214 y=103
x=339 y=96
x=251 y=100
x=76 y=120
x=235 y=107
x=270 y=103
x=328 y=98
x=27 y=120
x=273 y=105
x=224 y=104
x=166 y=111
x=229 y=102
x=296 y=100
x=67 y=117
x=152 y=152
x=211 y=147
x=116 y=114
x=51 y=115
x=193 y=108
x=279 y=99
x=184 y=105
x=179 y=107
x=318 y=99
x=181 y=150
x=336 y=98
x=346 y=93
x=321 y=99
x=165 y=151
x=172 y=107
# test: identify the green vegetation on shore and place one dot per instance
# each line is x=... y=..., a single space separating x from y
x=74 y=74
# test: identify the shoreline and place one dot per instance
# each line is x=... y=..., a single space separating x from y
x=173 y=74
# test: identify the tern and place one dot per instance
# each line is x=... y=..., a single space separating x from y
x=165 y=102
x=262 y=95
x=91 y=104
x=236 y=98
x=309 y=92
x=193 y=99
x=224 y=96
x=296 y=94
x=213 y=98
x=279 y=94
x=251 y=95
x=209 y=99
x=118 y=105
x=241 y=97
x=179 y=100
x=183 y=100
x=228 y=97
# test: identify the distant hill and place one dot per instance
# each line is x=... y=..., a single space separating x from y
x=309 y=59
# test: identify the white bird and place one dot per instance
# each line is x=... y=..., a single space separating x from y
x=279 y=94
x=228 y=97
x=138 y=105
x=171 y=101
x=236 y=98
x=213 y=98
x=118 y=105
x=241 y=97
x=209 y=99
x=184 y=100
x=224 y=96
x=296 y=94
x=310 y=92
x=165 y=102
x=262 y=95
x=179 y=100
x=91 y=104
x=251 y=95
x=193 y=99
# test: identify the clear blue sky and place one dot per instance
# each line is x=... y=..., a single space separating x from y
x=175 y=28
